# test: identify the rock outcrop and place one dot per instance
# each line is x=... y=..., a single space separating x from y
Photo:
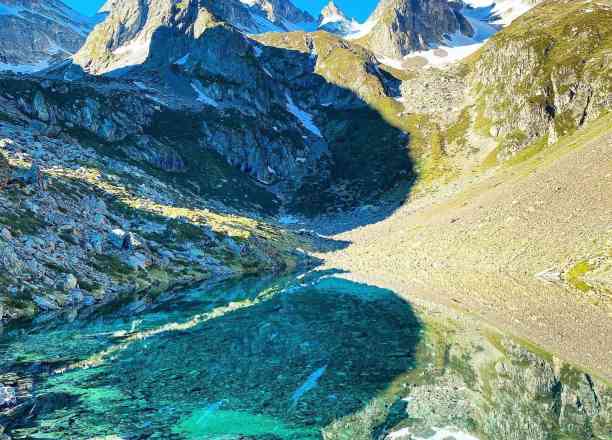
x=399 y=27
x=546 y=84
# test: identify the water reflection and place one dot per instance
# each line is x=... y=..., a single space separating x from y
x=316 y=357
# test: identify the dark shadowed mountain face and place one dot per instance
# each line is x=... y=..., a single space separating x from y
x=33 y=33
x=277 y=111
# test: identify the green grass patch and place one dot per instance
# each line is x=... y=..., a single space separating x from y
x=456 y=133
x=528 y=152
x=575 y=276
x=111 y=265
x=25 y=223
x=491 y=160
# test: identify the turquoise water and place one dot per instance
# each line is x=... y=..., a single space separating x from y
x=255 y=359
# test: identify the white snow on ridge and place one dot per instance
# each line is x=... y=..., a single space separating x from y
x=362 y=29
x=487 y=17
x=506 y=10
x=305 y=118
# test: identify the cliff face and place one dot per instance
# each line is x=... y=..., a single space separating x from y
x=532 y=85
x=399 y=27
x=34 y=33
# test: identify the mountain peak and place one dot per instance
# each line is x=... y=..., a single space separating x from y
x=331 y=11
x=333 y=19
x=399 y=27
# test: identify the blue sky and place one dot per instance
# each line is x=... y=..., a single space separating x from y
x=360 y=9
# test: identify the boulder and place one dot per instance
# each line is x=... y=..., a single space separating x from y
x=94 y=205
x=95 y=242
x=34 y=176
x=6 y=234
x=8 y=397
x=116 y=237
x=137 y=261
x=68 y=282
x=45 y=303
x=9 y=260
x=130 y=242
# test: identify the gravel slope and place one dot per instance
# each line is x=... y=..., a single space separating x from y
x=478 y=246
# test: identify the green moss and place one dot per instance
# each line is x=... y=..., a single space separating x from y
x=491 y=159
x=184 y=231
x=482 y=124
x=456 y=133
x=26 y=223
x=462 y=365
x=111 y=265
x=565 y=124
x=575 y=276
x=528 y=152
x=570 y=376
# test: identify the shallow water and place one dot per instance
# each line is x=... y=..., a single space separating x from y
x=259 y=359
x=252 y=358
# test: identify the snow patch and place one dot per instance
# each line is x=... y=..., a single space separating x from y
x=503 y=11
x=362 y=29
x=305 y=118
x=202 y=96
x=131 y=54
x=182 y=61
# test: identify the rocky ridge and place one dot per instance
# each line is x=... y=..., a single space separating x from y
x=36 y=33
x=540 y=86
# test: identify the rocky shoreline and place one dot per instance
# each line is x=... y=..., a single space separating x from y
x=79 y=228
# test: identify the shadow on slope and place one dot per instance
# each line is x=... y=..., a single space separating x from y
x=280 y=118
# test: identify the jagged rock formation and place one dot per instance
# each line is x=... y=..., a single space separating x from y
x=251 y=16
x=5 y=171
x=282 y=13
x=35 y=33
x=334 y=20
x=476 y=386
x=399 y=27
x=88 y=221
